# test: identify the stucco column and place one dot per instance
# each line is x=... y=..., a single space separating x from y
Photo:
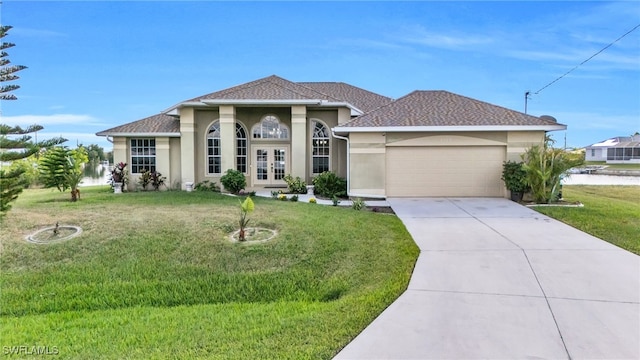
x=187 y=145
x=227 y=137
x=163 y=159
x=299 y=141
x=344 y=115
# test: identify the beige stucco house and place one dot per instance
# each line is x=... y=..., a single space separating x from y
x=427 y=143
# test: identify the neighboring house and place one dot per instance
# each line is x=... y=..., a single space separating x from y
x=617 y=150
x=427 y=143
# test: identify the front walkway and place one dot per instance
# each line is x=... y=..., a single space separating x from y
x=496 y=280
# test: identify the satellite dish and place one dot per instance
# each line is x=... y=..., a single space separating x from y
x=548 y=118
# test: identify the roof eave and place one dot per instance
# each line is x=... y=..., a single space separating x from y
x=217 y=102
x=138 y=134
x=364 y=129
x=354 y=110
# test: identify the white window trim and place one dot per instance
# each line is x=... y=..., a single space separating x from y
x=246 y=147
x=154 y=156
x=206 y=149
x=280 y=126
x=312 y=129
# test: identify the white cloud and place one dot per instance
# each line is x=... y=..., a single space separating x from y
x=446 y=40
x=75 y=138
x=53 y=119
x=30 y=32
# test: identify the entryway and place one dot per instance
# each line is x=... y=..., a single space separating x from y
x=270 y=164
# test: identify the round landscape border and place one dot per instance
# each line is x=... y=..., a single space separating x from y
x=32 y=238
x=234 y=236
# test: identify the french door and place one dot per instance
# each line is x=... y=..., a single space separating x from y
x=270 y=164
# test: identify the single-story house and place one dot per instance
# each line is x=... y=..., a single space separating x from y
x=617 y=150
x=427 y=143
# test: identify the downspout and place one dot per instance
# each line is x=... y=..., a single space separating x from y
x=348 y=160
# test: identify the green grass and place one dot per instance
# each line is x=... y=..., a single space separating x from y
x=154 y=275
x=611 y=213
x=614 y=166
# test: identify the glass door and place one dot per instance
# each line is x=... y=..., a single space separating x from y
x=271 y=164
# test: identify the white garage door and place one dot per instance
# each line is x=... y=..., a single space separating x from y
x=445 y=171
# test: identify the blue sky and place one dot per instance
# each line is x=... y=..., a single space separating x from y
x=95 y=65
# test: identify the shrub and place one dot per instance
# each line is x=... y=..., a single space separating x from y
x=233 y=181
x=328 y=185
x=296 y=186
x=144 y=179
x=357 y=204
x=513 y=175
x=313 y=200
x=207 y=186
x=157 y=180
x=282 y=197
x=293 y=198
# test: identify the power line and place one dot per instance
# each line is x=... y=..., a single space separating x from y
x=591 y=57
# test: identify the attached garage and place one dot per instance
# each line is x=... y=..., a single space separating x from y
x=445 y=171
x=437 y=144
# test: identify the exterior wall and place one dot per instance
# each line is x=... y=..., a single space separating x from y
x=447 y=139
x=368 y=153
x=367 y=164
x=594 y=153
x=519 y=141
x=296 y=118
x=121 y=150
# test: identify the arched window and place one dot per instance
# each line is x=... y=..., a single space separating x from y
x=214 y=162
x=241 y=148
x=320 y=151
x=213 y=149
x=270 y=128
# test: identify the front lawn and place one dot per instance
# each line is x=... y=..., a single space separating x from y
x=614 y=166
x=611 y=213
x=154 y=275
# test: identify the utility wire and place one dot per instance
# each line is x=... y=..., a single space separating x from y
x=582 y=63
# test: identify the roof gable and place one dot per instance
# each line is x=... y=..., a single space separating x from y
x=442 y=108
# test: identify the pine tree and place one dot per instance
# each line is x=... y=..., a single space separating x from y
x=7 y=72
x=14 y=148
x=15 y=143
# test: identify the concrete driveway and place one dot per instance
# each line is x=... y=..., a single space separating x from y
x=496 y=280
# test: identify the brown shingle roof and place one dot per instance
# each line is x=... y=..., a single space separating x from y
x=362 y=99
x=160 y=123
x=442 y=108
x=269 y=88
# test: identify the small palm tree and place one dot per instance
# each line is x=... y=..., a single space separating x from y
x=245 y=207
x=73 y=178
